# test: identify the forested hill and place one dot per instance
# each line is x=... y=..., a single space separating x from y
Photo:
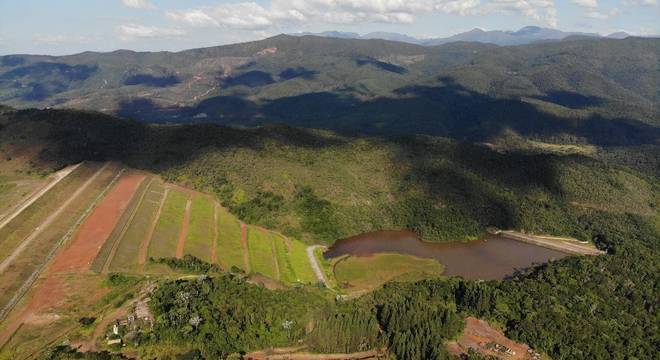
x=321 y=186
x=598 y=91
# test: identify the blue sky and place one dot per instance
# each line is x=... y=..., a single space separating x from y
x=71 y=26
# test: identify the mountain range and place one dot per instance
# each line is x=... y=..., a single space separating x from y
x=526 y=35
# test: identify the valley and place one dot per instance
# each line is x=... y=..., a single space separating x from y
x=316 y=197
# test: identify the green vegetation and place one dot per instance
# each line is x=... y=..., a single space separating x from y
x=224 y=315
x=360 y=274
x=262 y=256
x=166 y=235
x=300 y=263
x=334 y=186
x=230 y=249
x=201 y=231
x=283 y=258
x=189 y=264
x=126 y=256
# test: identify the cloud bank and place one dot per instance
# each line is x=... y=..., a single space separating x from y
x=249 y=15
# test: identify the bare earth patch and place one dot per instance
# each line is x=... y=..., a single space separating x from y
x=482 y=338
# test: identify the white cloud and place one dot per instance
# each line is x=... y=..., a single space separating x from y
x=254 y=16
x=543 y=11
x=586 y=3
x=599 y=15
x=129 y=32
x=139 y=4
x=61 y=39
x=640 y=2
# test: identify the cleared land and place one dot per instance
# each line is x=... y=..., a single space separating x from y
x=362 y=274
x=262 y=257
x=20 y=227
x=84 y=248
x=201 y=233
x=139 y=228
x=109 y=249
x=567 y=245
x=230 y=249
x=164 y=221
x=482 y=338
x=27 y=264
x=9 y=188
x=165 y=238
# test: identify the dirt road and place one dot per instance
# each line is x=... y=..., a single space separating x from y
x=315 y=264
x=180 y=245
x=57 y=177
x=49 y=220
x=567 y=245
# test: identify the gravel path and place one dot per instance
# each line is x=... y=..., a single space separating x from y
x=315 y=264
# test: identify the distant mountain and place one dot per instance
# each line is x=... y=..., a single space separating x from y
x=572 y=90
x=392 y=37
x=525 y=35
x=618 y=35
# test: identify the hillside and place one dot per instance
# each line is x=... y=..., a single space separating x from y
x=317 y=185
x=600 y=91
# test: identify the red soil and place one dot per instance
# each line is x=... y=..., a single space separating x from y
x=184 y=230
x=82 y=250
x=478 y=334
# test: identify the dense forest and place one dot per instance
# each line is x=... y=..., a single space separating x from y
x=576 y=308
x=332 y=185
x=320 y=186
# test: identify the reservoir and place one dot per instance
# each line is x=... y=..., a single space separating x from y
x=489 y=258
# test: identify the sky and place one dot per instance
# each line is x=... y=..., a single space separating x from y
x=59 y=27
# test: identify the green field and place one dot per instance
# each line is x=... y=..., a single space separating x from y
x=357 y=274
x=126 y=256
x=201 y=233
x=262 y=259
x=165 y=237
x=230 y=250
x=300 y=263
x=287 y=273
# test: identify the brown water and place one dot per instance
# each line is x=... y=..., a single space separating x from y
x=493 y=257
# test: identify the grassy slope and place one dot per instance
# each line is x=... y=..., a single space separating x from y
x=166 y=235
x=34 y=256
x=20 y=227
x=324 y=186
x=200 y=232
x=230 y=251
x=262 y=259
x=129 y=246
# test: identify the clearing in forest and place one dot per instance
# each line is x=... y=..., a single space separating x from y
x=201 y=232
x=230 y=249
x=165 y=238
x=262 y=257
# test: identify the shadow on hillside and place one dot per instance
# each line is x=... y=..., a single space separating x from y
x=152 y=80
x=572 y=99
x=447 y=109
